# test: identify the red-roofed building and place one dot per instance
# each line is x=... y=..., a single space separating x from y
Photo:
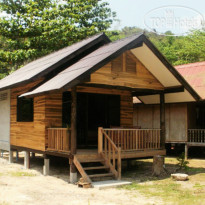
x=185 y=121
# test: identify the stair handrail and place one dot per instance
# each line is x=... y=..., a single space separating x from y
x=109 y=149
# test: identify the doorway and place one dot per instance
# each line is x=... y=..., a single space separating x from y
x=93 y=111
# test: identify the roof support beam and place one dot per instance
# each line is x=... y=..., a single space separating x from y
x=145 y=92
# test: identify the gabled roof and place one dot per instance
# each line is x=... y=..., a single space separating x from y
x=143 y=49
x=44 y=65
x=74 y=74
x=194 y=73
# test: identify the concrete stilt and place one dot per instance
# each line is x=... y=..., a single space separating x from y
x=186 y=151
x=26 y=160
x=17 y=156
x=2 y=153
x=46 y=167
x=73 y=177
x=11 y=156
x=73 y=174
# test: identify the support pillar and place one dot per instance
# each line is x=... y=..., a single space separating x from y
x=11 y=156
x=33 y=155
x=26 y=160
x=2 y=153
x=162 y=121
x=17 y=156
x=46 y=166
x=186 y=151
x=73 y=170
x=73 y=174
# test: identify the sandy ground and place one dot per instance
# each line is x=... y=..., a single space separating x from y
x=20 y=186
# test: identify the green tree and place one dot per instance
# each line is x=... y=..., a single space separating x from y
x=32 y=28
x=177 y=49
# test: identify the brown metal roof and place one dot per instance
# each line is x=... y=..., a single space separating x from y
x=194 y=73
x=84 y=67
x=48 y=63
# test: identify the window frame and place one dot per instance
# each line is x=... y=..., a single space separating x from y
x=19 y=116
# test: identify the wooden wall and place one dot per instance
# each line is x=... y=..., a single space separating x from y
x=47 y=113
x=28 y=134
x=148 y=116
x=53 y=112
x=120 y=72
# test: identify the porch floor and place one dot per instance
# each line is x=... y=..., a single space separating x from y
x=89 y=155
x=92 y=154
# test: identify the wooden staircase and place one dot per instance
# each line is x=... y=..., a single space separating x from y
x=94 y=169
x=106 y=162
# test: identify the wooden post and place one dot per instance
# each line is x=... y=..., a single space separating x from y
x=73 y=120
x=119 y=163
x=73 y=171
x=100 y=140
x=162 y=121
x=186 y=151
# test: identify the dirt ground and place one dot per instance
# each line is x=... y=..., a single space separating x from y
x=23 y=187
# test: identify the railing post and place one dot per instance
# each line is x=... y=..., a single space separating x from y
x=119 y=163
x=100 y=140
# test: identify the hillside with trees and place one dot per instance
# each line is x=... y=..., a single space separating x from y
x=31 y=29
x=177 y=49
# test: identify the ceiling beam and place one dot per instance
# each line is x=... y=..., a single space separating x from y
x=145 y=92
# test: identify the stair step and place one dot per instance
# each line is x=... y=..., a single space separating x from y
x=99 y=167
x=101 y=175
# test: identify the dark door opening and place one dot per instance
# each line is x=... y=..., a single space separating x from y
x=93 y=111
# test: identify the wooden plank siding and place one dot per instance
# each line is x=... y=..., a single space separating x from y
x=48 y=113
x=53 y=112
x=114 y=74
x=28 y=134
x=148 y=117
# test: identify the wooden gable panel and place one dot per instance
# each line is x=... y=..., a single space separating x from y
x=125 y=74
x=130 y=64
x=117 y=64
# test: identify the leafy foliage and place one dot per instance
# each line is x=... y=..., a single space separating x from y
x=182 y=163
x=177 y=49
x=33 y=28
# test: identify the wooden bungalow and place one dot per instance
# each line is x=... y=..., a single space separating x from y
x=185 y=118
x=78 y=103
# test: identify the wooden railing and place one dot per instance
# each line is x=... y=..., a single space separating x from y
x=59 y=139
x=135 y=139
x=196 y=135
x=110 y=152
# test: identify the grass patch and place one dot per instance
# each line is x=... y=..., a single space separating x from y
x=21 y=174
x=171 y=192
x=195 y=169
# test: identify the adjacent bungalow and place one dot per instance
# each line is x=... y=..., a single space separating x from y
x=78 y=103
x=185 y=120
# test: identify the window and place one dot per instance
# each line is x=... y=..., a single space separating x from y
x=24 y=109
